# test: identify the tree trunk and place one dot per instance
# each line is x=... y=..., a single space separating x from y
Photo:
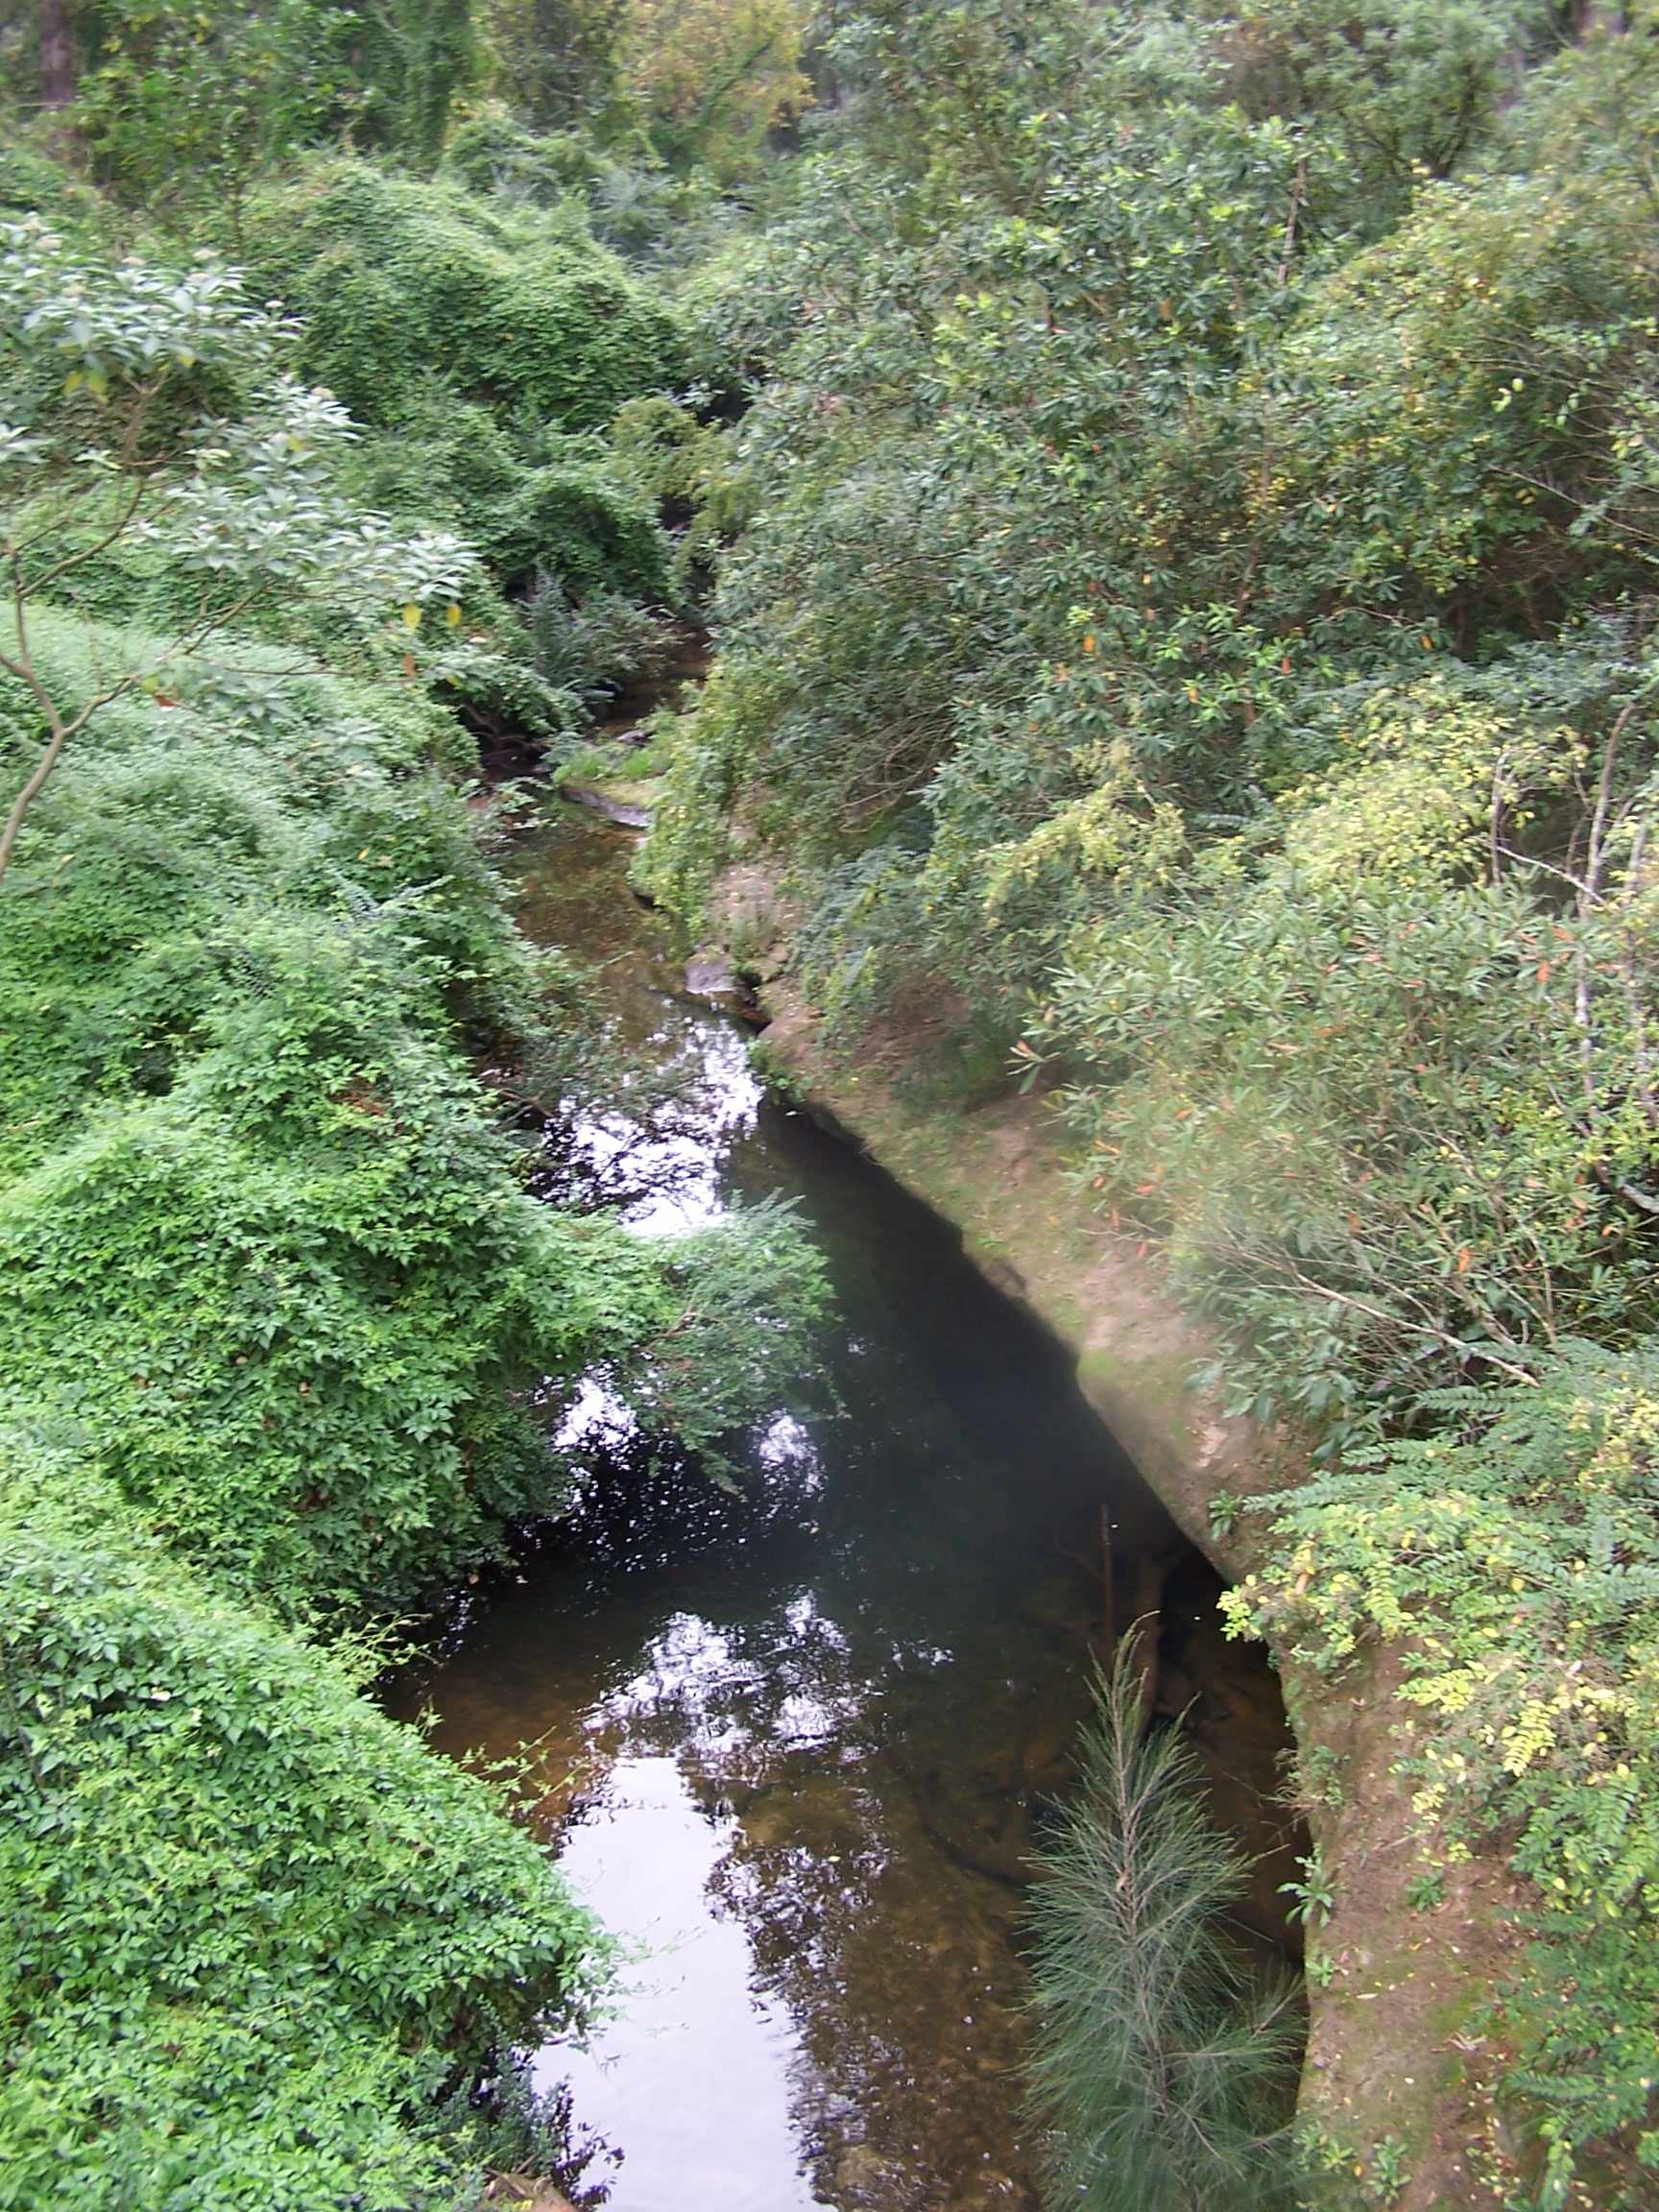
x=440 y=55
x=57 y=71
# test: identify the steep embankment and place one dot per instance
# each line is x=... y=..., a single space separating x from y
x=1392 y=2087
x=1193 y=630
x=278 y=1310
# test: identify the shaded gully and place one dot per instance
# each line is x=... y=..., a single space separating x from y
x=792 y=1741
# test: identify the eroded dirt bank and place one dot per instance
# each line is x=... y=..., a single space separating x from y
x=1395 y=2082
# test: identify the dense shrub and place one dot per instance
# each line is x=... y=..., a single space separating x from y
x=598 y=647
x=275 y=1301
x=534 y=501
x=400 y=282
x=252 y=1928
x=576 y=514
x=32 y=182
x=287 y=1300
x=493 y=152
x=488 y=344
x=261 y=1241
x=266 y=774
x=1163 y=2065
x=1512 y=1556
x=285 y=1332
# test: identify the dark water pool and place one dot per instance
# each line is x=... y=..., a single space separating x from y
x=793 y=1742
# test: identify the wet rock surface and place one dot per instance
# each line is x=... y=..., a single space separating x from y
x=626 y=812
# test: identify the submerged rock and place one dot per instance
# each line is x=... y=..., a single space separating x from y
x=627 y=812
x=710 y=975
x=864 y=2177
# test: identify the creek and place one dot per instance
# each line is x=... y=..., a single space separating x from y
x=792 y=1738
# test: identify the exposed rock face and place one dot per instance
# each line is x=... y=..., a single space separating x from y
x=1389 y=2059
x=527 y=2193
x=710 y=975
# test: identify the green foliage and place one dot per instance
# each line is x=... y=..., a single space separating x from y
x=1358 y=1235
x=34 y=182
x=207 y=461
x=251 y=1927
x=183 y=107
x=127 y=929
x=399 y=282
x=596 y=648
x=536 y=503
x=1312 y=1895
x=578 y=517
x=277 y=1305
x=269 y=1272
x=1191 y=623
x=559 y=58
x=487 y=343
x=709 y=775
x=750 y=1288
x=183 y=104
x=1163 y=2069
x=437 y=52
x=493 y=152
x=1081 y=506
x=613 y=187
x=684 y=465
x=1403 y=88
x=260 y=1243
x=710 y=78
x=1511 y=1557
x=657 y=99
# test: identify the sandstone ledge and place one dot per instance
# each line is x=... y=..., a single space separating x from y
x=1394 y=2081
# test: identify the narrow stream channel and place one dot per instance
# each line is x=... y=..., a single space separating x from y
x=793 y=1742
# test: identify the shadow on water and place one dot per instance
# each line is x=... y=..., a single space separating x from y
x=793 y=1742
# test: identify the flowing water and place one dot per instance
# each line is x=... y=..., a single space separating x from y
x=793 y=1740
